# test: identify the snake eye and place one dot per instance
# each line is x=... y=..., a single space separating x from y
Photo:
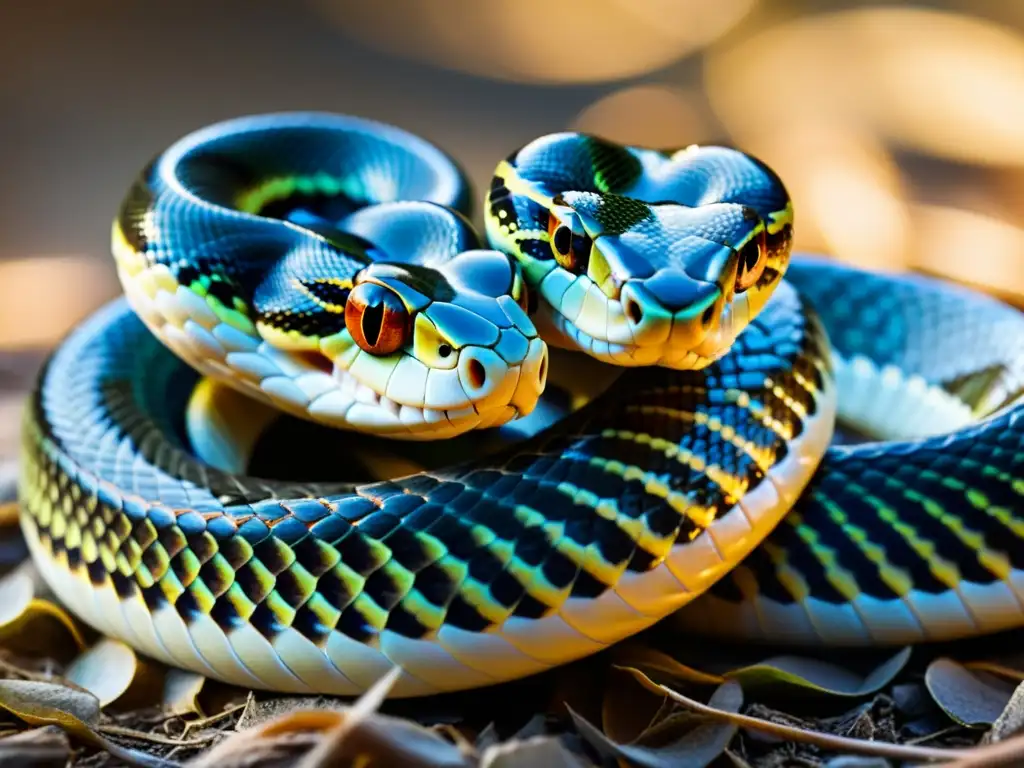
x=571 y=249
x=753 y=257
x=377 y=319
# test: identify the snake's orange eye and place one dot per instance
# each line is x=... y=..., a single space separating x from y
x=753 y=257
x=377 y=319
x=571 y=249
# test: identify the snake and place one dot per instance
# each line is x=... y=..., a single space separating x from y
x=325 y=265
x=914 y=533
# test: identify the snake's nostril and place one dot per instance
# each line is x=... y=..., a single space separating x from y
x=477 y=374
x=709 y=313
x=542 y=373
x=633 y=311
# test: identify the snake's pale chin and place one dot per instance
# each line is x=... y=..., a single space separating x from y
x=410 y=401
x=616 y=345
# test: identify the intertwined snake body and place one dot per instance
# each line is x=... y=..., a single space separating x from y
x=320 y=263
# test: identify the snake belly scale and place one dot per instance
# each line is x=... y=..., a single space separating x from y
x=588 y=532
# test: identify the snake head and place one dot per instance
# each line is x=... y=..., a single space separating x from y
x=638 y=257
x=422 y=351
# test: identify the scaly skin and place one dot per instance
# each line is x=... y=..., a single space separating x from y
x=588 y=532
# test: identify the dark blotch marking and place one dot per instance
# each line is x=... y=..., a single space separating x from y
x=464 y=616
x=215 y=580
x=187 y=607
x=308 y=624
x=382 y=589
x=405 y=623
x=506 y=589
x=265 y=622
x=334 y=591
x=352 y=623
x=273 y=553
x=224 y=613
x=531 y=608
x=329 y=293
x=290 y=589
x=435 y=585
x=587 y=586
x=617 y=214
x=251 y=586
x=615 y=168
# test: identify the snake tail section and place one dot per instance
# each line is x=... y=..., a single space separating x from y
x=591 y=531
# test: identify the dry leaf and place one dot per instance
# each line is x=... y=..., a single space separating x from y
x=857 y=761
x=661 y=667
x=973 y=699
x=629 y=709
x=1011 y=721
x=31 y=625
x=75 y=711
x=181 y=693
x=278 y=742
x=820 y=676
x=106 y=670
x=314 y=738
x=683 y=745
x=39 y=748
x=547 y=751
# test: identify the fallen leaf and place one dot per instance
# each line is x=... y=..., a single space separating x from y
x=280 y=741
x=1011 y=720
x=995 y=668
x=75 y=710
x=313 y=738
x=736 y=760
x=38 y=748
x=629 y=708
x=106 y=670
x=912 y=699
x=662 y=667
x=181 y=693
x=821 y=739
x=973 y=699
x=257 y=712
x=820 y=676
x=692 y=745
x=31 y=625
x=857 y=761
x=548 y=751
x=39 y=703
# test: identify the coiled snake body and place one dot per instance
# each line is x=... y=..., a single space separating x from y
x=322 y=264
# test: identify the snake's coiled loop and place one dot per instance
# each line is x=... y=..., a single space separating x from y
x=246 y=248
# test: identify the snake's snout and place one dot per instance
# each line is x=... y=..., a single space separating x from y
x=671 y=309
x=491 y=383
x=533 y=377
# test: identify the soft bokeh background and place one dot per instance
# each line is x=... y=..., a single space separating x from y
x=898 y=128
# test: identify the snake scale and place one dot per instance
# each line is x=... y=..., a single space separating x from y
x=325 y=265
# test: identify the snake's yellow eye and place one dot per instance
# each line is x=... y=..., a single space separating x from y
x=753 y=257
x=377 y=319
x=571 y=248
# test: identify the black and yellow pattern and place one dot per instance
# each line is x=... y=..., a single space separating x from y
x=916 y=539
x=113 y=498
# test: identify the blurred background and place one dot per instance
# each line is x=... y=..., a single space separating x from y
x=898 y=128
